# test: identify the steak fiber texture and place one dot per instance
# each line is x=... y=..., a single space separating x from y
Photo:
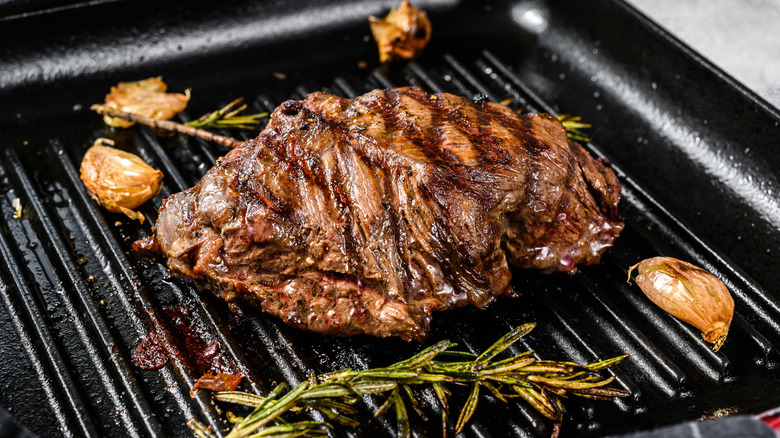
x=365 y=215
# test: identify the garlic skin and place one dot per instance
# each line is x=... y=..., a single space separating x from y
x=403 y=33
x=689 y=293
x=119 y=180
x=147 y=97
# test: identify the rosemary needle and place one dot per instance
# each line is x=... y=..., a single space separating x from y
x=228 y=117
x=539 y=383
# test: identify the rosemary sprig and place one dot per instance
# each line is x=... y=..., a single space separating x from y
x=228 y=117
x=168 y=125
x=573 y=125
x=540 y=383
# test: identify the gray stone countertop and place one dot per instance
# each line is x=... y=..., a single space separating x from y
x=742 y=37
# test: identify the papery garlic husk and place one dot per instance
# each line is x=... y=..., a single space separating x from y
x=689 y=293
x=403 y=33
x=146 y=97
x=119 y=180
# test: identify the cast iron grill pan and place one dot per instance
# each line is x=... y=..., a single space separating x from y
x=77 y=300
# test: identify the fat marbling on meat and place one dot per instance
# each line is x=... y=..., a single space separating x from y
x=365 y=215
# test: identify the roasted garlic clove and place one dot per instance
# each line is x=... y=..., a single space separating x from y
x=403 y=33
x=119 y=180
x=689 y=293
x=147 y=97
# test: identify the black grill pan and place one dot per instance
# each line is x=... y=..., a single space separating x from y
x=695 y=152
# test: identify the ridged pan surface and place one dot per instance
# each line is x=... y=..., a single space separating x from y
x=694 y=151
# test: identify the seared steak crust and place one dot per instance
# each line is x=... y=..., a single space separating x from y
x=364 y=215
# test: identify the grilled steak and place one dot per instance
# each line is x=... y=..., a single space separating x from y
x=364 y=215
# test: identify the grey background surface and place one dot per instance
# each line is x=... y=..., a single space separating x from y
x=742 y=37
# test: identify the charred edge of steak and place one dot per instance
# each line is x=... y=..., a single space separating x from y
x=147 y=246
x=348 y=216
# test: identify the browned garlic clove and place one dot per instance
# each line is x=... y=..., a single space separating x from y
x=119 y=180
x=403 y=33
x=147 y=97
x=689 y=293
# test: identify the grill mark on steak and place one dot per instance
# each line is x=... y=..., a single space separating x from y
x=390 y=107
x=439 y=173
x=365 y=215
